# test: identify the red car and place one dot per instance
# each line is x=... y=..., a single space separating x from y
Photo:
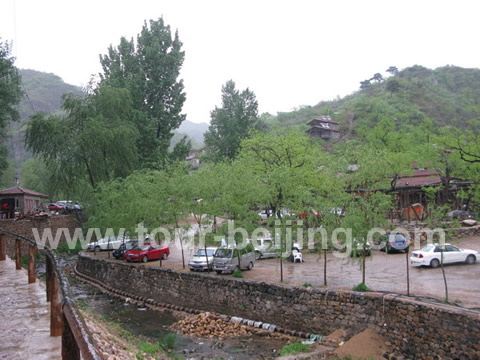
x=147 y=252
x=54 y=207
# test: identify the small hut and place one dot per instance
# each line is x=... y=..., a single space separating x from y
x=18 y=199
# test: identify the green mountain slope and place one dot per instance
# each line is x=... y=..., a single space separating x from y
x=43 y=93
x=448 y=95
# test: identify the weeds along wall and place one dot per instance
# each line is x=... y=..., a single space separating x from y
x=416 y=329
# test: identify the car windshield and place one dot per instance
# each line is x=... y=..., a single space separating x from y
x=144 y=247
x=223 y=253
x=427 y=248
x=201 y=252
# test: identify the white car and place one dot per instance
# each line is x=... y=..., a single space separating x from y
x=107 y=243
x=266 y=248
x=431 y=255
x=199 y=261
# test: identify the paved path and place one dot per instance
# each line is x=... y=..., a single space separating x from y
x=24 y=317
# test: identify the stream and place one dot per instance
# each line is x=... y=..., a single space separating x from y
x=152 y=326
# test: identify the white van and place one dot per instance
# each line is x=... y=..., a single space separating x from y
x=227 y=259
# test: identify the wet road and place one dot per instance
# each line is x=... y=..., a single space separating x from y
x=384 y=272
x=25 y=317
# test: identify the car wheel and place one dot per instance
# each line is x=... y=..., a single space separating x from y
x=97 y=248
x=258 y=255
x=471 y=259
x=218 y=272
x=435 y=263
x=165 y=256
x=145 y=258
x=250 y=266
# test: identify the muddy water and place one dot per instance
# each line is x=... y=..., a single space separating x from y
x=152 y=326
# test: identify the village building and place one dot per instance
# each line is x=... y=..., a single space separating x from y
x=20 y=200
x=324 y=128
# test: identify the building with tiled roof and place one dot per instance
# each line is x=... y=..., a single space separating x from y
x=18 y=199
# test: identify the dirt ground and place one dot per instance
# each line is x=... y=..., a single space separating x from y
x=384 y=272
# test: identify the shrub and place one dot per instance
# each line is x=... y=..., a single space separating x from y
x=307 y=284
x=361 y=287
x=238 y=274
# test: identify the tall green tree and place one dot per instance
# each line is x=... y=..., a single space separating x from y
x=149 y=68
x=10 y=96
x=231 y=122
x=94 y=141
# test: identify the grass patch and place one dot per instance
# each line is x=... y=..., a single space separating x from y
x=63 y=249
x=361 y=287
x=238 y=274
x=169 y=341
x=307 y=284
x=294 y=348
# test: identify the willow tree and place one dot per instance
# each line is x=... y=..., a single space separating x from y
x=93 y=141
x=10 y=96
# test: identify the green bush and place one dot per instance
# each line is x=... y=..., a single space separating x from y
x=307 y=284
x=238 y=274
x=65 y=250
x=294 y=348
x=169 y=341
x=361 y=287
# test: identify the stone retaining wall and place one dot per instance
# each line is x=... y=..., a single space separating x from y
x=24 y=227
x=416 y=329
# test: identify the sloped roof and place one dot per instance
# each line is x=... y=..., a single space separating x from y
x=17 y=190
x=322 y=120
x=420 y=178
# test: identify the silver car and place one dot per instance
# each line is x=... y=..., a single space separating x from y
x=229 y=259
x=266 y=248
x=199 y=261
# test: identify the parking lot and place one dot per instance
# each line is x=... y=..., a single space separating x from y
x=384 y=272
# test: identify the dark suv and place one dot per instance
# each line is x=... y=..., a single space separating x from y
x=123 y=248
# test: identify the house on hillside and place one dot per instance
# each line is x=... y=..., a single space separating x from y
x=409 y=190
x=323 y=127
x=194 y=158
x=18 y=199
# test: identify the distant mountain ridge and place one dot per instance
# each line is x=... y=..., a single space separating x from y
x=448 y=95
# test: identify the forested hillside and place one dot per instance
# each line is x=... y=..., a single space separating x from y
x=447 y=96
x=43 y=93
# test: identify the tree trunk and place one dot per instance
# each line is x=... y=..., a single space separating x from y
x=408 y=272
x=444 y=278
x=325 y=267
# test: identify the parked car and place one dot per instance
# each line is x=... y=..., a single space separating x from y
x=265 y=248
x=106 y=243
x=431 y=255
x=227 y=259
x=395 y=242
x=55 y=207
x=199 y=261
x=123 y=248
x=147 y=252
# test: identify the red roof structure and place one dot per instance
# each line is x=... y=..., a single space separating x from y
x=420 y=178
x=17 y=190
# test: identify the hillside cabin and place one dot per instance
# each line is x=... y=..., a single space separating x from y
x=323 y=127
x=19 y=200
x=410 y=190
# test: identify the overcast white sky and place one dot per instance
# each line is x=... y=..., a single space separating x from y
x=289 y=53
